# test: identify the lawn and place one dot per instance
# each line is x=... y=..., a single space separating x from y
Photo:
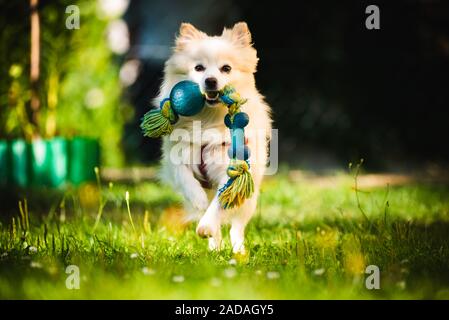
x=312 y=237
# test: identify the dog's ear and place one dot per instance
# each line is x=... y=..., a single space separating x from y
x=239 y=34
x=188 y=32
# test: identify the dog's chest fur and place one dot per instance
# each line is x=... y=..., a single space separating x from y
x=202 y=144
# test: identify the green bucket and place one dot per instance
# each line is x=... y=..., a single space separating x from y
x=58 y=148
x=39 y=163
x=4 y=162
x=49 y=162
x=18 y=174
x=84 y=157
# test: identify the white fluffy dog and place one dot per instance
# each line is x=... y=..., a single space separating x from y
x=195 y=155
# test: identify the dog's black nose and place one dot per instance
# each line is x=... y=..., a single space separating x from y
x=211 y=83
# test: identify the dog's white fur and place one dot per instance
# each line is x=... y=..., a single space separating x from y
x=234 y=48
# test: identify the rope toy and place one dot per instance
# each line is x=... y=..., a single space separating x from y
x=186 y=99
x=240 y=184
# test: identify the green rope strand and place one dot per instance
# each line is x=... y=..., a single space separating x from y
x=159 y=122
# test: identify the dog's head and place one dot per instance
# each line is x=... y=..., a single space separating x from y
x=213 y=61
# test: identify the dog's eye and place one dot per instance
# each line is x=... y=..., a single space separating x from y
x=199 y=68
x=226 y=68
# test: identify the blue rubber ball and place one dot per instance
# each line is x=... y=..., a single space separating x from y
x=186 y=98
x=241 y=120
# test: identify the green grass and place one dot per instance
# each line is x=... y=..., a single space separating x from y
x=308 y=240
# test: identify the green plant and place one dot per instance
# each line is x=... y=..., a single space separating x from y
x=78 y=77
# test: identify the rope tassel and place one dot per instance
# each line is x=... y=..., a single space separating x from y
x=239 y=187
x=159 y=122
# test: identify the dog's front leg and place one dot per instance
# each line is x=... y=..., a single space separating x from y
x=190 y=188
x=239 y=221
x=210 y=224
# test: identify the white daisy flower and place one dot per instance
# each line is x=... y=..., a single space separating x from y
x=178 y=279
x=273 y=275
x=319 y=272
x=32 y=249
x=230 y=272
x=215 y=282
x=147 y=271
x=35 y=265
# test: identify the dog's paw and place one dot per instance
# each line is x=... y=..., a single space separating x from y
x=205 y=229
x=238 y=246
x=239 y=250
x=199 y=200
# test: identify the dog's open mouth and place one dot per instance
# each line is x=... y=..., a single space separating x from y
x=212 y=96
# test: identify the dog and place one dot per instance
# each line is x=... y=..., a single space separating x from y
x=213 y=62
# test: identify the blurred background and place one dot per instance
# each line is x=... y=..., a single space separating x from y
x=339 y=92
x=77 y=76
